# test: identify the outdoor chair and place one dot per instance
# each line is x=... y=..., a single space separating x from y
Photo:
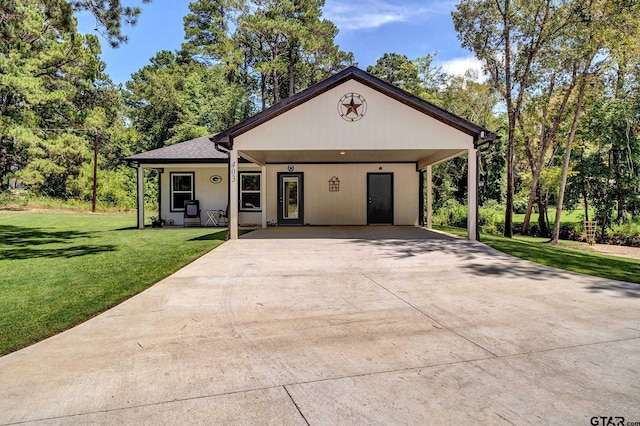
x=223 y=216
x=192 y=212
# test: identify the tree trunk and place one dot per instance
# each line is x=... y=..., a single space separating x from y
x=535 y=190
x=292 y=86
x=263 y=90
x=508 y=214
x=546 y=215
x=512 y=115
x=567 y=157
x=276 y=81
x=543 y=220
x=536 y=166
x=276 y=87
x=545 y=142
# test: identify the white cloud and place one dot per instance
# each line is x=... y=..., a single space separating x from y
x=458 y=66
x=364 y=14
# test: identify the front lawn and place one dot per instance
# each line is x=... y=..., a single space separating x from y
x=570 y=259
x=59 y=269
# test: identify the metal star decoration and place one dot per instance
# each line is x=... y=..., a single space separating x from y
x=352 y=107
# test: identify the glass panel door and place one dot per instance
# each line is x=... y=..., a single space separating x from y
x=290 y=205
x=290 y=199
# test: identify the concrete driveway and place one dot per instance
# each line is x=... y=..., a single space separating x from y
x=353 y=325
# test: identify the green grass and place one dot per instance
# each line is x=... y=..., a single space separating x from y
x=563 y=257
x=59 y=269
x=572 y=216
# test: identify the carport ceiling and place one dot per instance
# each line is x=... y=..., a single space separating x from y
x=424 y=157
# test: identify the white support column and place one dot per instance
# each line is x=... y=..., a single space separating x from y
x=140 y=192
x=233 y=195
x=263 y=195
x=472 y=191
x=429 y=179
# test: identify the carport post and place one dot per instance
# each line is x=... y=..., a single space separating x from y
x=140 y=192
x=472 y=193
x=233 y=197
x=263 y=195
x=429 y=196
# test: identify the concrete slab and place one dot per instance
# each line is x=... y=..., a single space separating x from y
x=267 y=407
x=568 y=386
x=329 y=324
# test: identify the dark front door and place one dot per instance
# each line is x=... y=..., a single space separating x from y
x=290 y=199
x=380 y=198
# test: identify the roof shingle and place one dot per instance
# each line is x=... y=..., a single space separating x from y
x=195 y=150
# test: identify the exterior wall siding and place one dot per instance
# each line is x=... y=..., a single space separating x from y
x=349 y=205
x=387 y=124
x=211 y=196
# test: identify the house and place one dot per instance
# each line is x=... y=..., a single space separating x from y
x=349 y=150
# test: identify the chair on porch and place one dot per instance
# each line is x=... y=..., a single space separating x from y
x=191 y=212
x=223 y=216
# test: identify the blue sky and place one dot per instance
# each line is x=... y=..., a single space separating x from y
x=368 y=28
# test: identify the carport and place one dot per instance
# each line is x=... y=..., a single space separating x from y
x=350 y=150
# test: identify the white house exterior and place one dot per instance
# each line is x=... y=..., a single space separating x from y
x=347 y=151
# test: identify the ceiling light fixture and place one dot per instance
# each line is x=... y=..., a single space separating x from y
x=342 y=153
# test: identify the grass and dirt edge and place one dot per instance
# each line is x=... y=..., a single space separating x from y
x=562 y=256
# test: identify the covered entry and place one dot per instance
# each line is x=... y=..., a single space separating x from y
x=350 y=150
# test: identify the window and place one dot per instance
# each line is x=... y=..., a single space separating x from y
x=249 y=191
x=181 y=190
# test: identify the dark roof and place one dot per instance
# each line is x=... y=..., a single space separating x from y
x=368 y=80
x=199 y=150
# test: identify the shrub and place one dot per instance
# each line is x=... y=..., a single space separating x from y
x=520 y=205
x=571 y=231
x=489 y=217
x=451 y=213
x=627 y=234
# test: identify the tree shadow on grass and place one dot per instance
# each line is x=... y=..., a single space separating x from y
x=215 y=236
x=127 y=228
x=19 y=243
x=17 y=236
x=65 y=252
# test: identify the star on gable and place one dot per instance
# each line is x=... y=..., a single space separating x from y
x=352 y=107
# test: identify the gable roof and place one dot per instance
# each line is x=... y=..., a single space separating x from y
x=354 y=73
x=198 y=150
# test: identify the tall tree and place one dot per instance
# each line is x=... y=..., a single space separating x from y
x=398 y=70
x=593 y=45
x=176 y=98
x=47 y=70
x=507 y=36
x=282 y=45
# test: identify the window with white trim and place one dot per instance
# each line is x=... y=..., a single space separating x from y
x=182 y=189
x=250 y=184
